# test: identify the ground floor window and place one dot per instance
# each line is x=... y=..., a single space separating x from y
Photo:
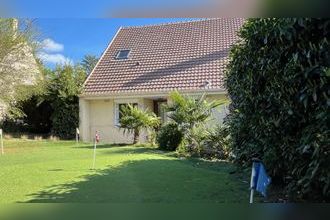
x=119 y=111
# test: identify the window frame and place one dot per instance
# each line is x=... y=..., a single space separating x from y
x=117 y=110
x=123 y=58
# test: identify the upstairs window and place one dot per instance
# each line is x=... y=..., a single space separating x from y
x=123 y=54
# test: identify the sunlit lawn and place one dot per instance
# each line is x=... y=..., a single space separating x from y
x=49 y=171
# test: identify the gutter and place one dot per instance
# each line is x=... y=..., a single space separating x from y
x=146 y=94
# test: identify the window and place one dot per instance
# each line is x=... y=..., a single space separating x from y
x=123 y=54
x=119 y=111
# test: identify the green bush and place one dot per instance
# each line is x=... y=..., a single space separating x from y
x=135 y=119
x=169 y=137
x=278 y=81
x=215 y=144
x=63 y=90
x=190 y=114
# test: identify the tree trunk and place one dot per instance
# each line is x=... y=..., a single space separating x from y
x=136 y=136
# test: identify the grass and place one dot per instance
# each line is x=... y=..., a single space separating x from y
x=60 y=171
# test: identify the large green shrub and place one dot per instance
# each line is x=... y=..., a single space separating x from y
x=278 y=81
x=169 y=137
x=63 y=90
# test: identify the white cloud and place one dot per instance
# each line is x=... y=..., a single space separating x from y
x=55 y=58
x=50 y=45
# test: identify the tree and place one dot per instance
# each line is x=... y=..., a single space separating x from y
x=190 y=114
x=89 y=62
x=64 y=87
x=278 y=81
x=134 y=119
x=17 y=45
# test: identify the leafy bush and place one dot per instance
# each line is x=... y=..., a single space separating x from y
x=135 y=119
x=169 y=137
x=63 y=90
x=215 y=144
x=278 y=81
x=51 y=106
x=190 y=115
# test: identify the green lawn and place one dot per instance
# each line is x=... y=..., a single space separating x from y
x=46 y=171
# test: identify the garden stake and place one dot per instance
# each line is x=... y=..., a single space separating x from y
x=1 y=142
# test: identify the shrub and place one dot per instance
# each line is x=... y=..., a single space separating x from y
x=169 y=137
x=215 y=144
x=135 y=119
x=63 y=90
x=278 y=81
x=190 y=115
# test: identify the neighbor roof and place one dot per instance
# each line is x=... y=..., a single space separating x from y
x=184 y=56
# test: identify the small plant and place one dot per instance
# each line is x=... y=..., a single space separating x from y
x=169 y=137
x=134 y=119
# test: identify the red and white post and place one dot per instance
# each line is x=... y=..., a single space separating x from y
x=96 y=140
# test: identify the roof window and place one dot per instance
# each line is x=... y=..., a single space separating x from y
x=123 y=54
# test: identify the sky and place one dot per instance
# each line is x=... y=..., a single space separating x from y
x=68 y=40
x=89 y=8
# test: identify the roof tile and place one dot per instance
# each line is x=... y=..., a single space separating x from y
x=165 y=57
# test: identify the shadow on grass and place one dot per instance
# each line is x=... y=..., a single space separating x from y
x=159 y=180
x=102 y=146
x=105 y=146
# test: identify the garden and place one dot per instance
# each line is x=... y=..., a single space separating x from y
x=45 y=171
x=278 y=86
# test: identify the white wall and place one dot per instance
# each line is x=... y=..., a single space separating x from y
x=99 y=115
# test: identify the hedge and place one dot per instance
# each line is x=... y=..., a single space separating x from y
x=278 y=81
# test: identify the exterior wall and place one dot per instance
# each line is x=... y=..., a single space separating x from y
x=99 y=115
x=219 y=113
x=84 y=121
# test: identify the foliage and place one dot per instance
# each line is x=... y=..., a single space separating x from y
x=89 y=62
x=15 y=44
x=278 y=81
x=135 y=119
x=169 y=137
x=189 y=114
x=63 y=90
x=50 y=106
x=215 y=144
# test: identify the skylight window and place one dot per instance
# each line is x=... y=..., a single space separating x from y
x=123 y=54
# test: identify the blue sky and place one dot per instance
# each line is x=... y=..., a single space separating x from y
x=69 y=39
x=90 y=8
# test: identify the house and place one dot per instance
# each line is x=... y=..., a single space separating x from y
x=142 y=65
x=20 y=63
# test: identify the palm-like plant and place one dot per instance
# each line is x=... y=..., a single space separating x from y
x=188 y=112
x=134 y=119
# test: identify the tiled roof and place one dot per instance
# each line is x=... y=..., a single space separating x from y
x=184 y=56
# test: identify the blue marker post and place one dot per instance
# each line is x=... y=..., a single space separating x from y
x=259 y=178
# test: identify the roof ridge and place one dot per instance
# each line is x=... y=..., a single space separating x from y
x=170 y=23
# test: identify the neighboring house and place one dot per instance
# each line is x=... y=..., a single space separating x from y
x=22 y=62
x=142 y=65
